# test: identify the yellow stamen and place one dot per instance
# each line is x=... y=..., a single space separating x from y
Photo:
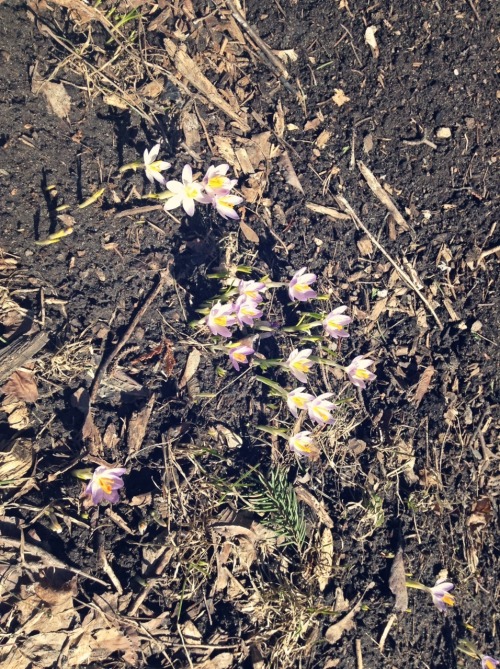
x=333 y=325
x=301 y=287
x=221 y=321
x=299 y=401
x=489 y=664
x=191 y=192
x=301 y=366
x=223 y=201
x=240 y=357
x=105 y=484
x=362 y=374
x=322 y=414
x=449 y=599
x=216 y=182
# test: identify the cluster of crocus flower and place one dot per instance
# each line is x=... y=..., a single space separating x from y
x=245 y=311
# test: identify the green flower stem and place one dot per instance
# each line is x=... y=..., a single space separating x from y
x=131 y=166
x=416 y=585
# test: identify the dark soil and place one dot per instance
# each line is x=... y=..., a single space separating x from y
x=435 y=69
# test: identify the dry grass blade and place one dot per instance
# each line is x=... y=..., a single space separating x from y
x=382 y=195
x=347 y=207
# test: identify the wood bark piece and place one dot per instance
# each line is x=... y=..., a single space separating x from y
x=18 y=353
x=188 y=69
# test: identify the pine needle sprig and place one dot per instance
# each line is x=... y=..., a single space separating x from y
x=276 y=501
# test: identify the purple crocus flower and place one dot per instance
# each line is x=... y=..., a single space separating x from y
x=238 y=355
x=358 y=373
x=319 y=409
x=246 y=311
x=252 y=290
x=441 y=594
x=105 y=483
x=488 y=662
x=303 y=445
x=220 y=319
x=216 y=181
x=299 y=287
x=298 y=399
x=335 y=321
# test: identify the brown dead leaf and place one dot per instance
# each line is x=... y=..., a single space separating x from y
x=324 y=567
x=397 y=582
x=423 y=384
x=314 y=124
x=318 y=507
x=153 y=88
x=16 y=458
x=244 y=161
x=254 y=190
x=17 y=412
x=226 y=150
x=336 y=631
x=192 y=364
x=248 y=233
x=290 y=174
x=138 y=425
x=221 y=661
x=339 y=97
x=22 y=386
x=58 y=100
x=378 y=309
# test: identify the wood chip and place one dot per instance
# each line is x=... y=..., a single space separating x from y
x=138 y=425
x=371 y=40
x=340 y=98
x=327 y=211
x=365 y=246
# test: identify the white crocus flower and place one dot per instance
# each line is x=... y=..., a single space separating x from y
x=154 y=167
x=185 y=193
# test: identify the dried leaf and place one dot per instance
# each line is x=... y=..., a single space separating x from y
x=17 y=412
x=423 y=384
x=365 y=246
x=22 y=386
x=287 y=55
x=397 y=582
x=192 y=364
x=317 y=506
x=322 y=139
x=290 y=174
x=58 y=100
x=138 y=425
x=248 y=233
x=191 y=129
x=325 y=562
x=371 y=41
x=339 y=97
x=221 y=661
x=335 y=631
x=16 y=458
x=153 y=88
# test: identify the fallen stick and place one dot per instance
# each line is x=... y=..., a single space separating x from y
x=382 y=195
x=347 y=207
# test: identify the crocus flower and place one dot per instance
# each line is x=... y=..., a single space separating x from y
x=441 y=594
x=220 y=319
x=300 y=286
x=154 y=167
x=335 y=321
x=298 y=399
x=105 y=483
x=303 y=444
x=238 y=355
x=246 y=310
x=216 y=182
x=358 y=373
x=252 y=290
x=186 y=193
x=319 y=409
x=299 y=364
x=225 y=204
x=488 y=662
